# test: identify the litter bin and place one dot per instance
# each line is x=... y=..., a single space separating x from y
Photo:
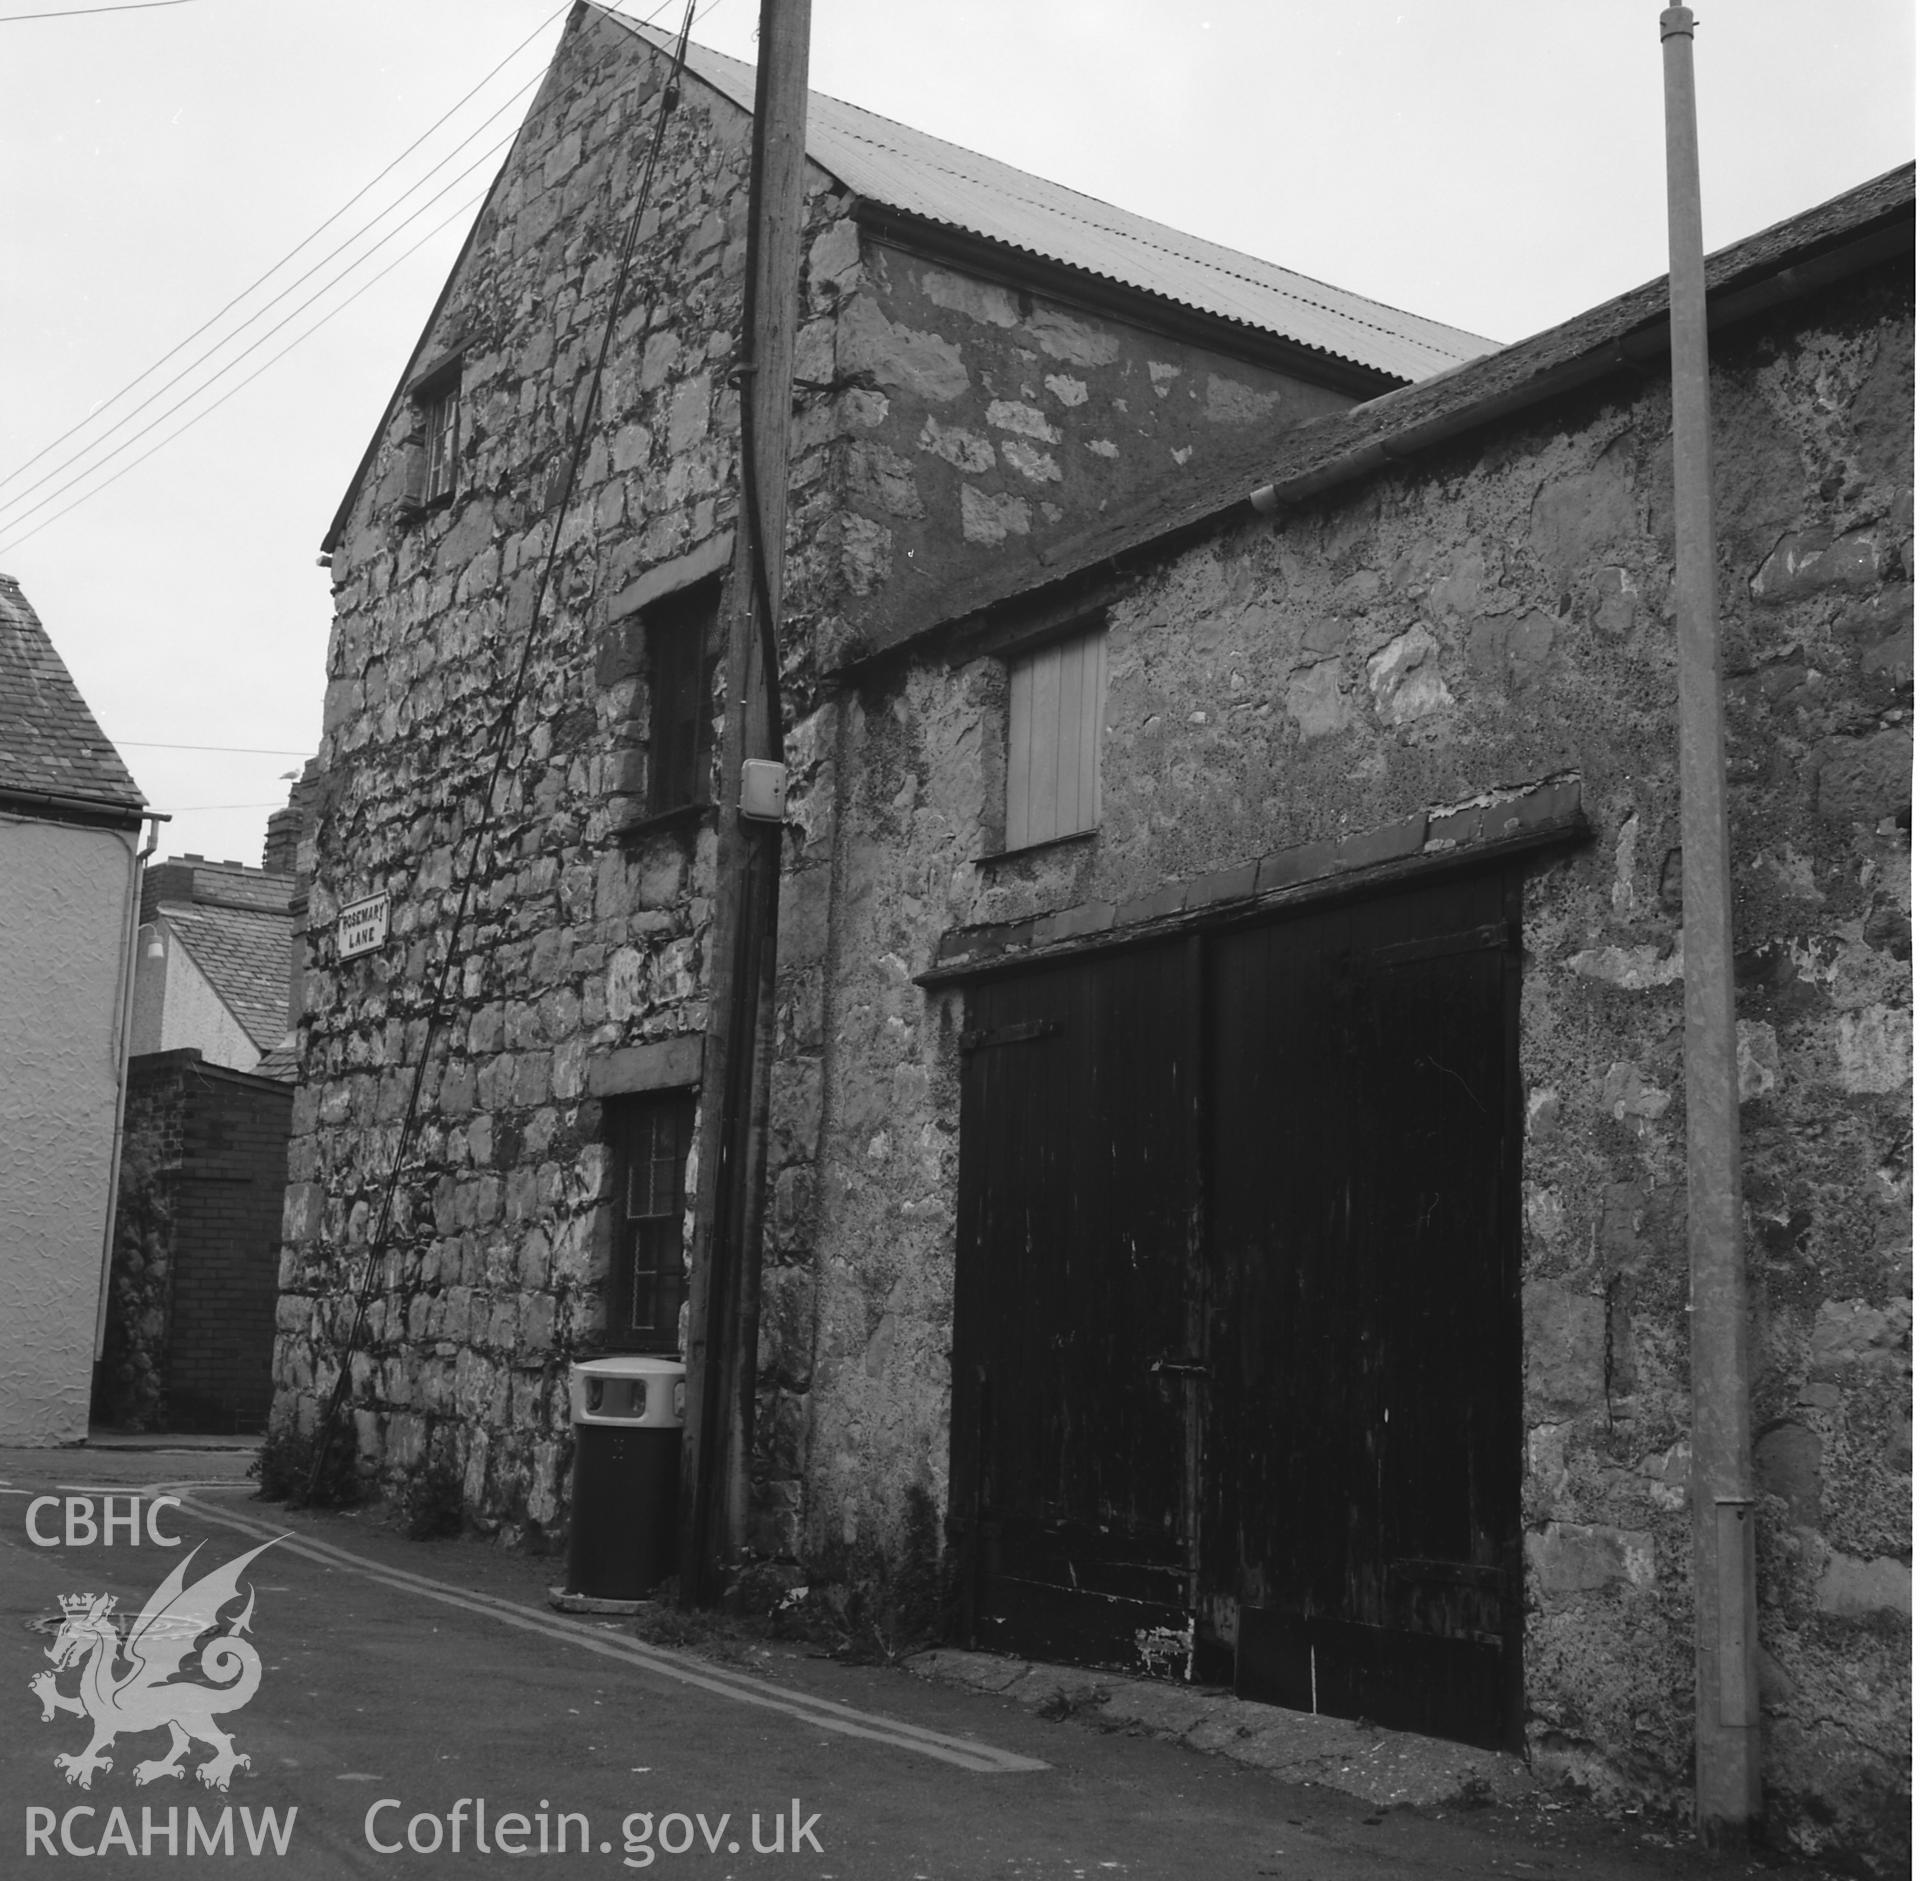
x=628 y=1413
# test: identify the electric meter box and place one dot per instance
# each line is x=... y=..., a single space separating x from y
x=763 y=790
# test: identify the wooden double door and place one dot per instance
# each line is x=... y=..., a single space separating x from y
x=1236 y=1341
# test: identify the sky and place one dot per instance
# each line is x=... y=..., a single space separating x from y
x=1494 y=166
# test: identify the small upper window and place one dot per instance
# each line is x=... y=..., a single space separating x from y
x=442 y=413
x=1056 y=702
x=681 y=630
x=436 y=446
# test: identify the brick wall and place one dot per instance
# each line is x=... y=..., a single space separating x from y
x=196 y=1252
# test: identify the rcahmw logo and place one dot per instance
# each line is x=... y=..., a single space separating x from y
x=52 y=1832
x=135 y=1684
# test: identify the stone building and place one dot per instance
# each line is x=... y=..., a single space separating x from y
x=1164 y=870
x=1291 y=1158
x=987 y=362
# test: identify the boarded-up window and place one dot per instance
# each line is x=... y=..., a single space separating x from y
x=680 y=665
x=1055 y=706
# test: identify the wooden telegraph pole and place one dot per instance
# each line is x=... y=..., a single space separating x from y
x=1727 y=1698
x=730 y=1187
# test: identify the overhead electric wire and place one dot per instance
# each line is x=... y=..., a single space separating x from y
x=239 y=751
x=13 y=502
x=14 y=541
x=313 y=235
x=100 y=463
x=208 y=411
x=74 y=13
x=18 y=515
x=502 y=737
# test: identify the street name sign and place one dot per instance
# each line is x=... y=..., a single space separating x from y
x=363 y=926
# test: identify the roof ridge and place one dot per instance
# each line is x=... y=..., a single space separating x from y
x=199 y=902
x=1136 y=215
x=1199 y=261
x=1437 y=338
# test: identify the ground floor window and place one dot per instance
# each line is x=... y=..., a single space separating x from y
x=647 y=1282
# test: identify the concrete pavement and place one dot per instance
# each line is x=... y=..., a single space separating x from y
x=421 y=1711
x=1382 y=1767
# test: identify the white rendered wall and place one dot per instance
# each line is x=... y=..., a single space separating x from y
x=175 y=1005
x=63 y=916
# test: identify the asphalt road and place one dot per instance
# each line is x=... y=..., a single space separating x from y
x=420 y=1712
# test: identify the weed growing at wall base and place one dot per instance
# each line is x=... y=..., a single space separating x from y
x=284 y=1469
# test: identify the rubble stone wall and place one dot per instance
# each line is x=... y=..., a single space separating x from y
x=588 y=924
x=584 y=934
x=994 y=421
x=1493 y=615
x=1489 y=616
x=978 y=427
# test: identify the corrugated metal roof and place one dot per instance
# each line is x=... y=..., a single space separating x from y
x=1866 y=227
x=904 y=169
x=49 y=741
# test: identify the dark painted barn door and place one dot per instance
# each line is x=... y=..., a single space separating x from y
x=1361 y=1521
x=1236 y=1345
x=1076 y=1230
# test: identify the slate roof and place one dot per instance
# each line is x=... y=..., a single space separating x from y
x=283 y=1062
x=907 y=170
x=234 y=922
x=243 y=952
x=49 y=742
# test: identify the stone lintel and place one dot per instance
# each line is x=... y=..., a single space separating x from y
x=661 y=1065
x=712 y=557
x=1546 y=812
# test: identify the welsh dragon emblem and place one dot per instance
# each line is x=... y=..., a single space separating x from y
x=133 y=1684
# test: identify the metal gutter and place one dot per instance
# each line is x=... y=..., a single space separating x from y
x=100 y=812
